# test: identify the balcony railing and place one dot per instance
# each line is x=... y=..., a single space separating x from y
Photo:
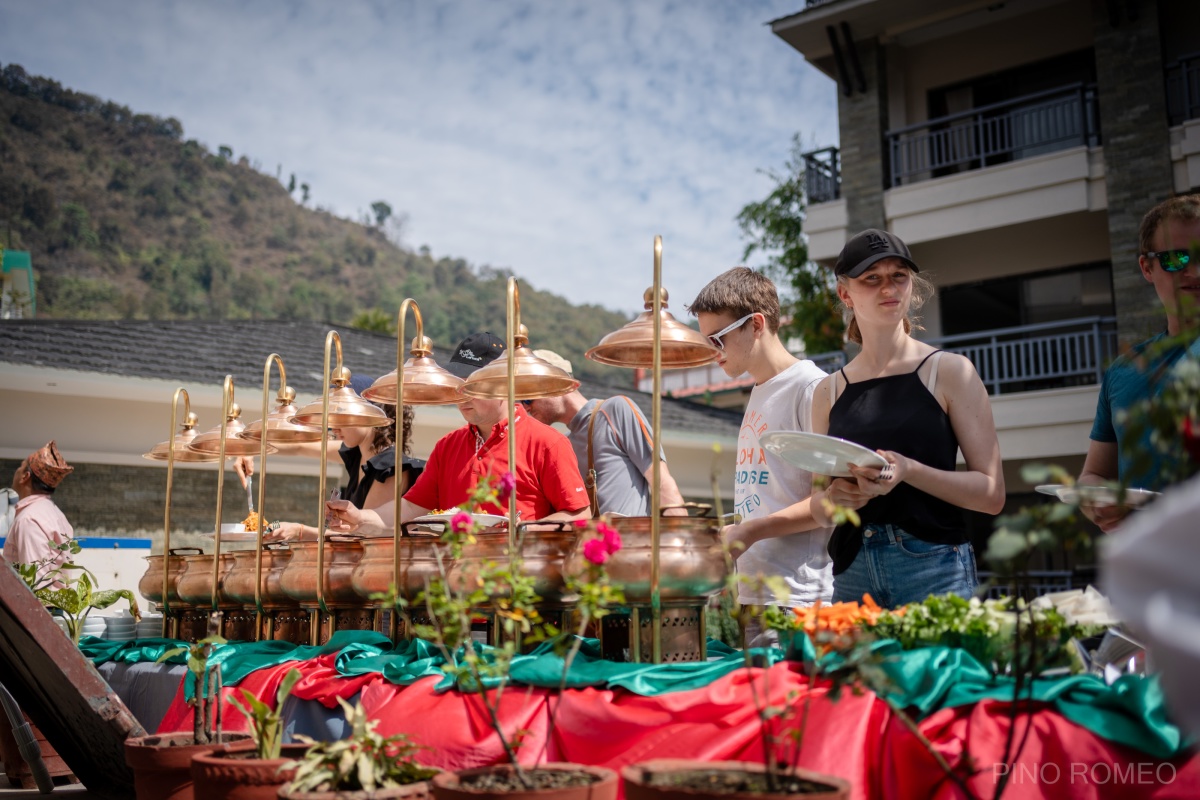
x=822 y=175
x=1053 y=355
x=1183 y=88
x=994 y=134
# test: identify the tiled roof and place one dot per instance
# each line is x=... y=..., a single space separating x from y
x=196 y=353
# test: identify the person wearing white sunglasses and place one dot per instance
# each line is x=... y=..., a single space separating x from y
x=778 y=537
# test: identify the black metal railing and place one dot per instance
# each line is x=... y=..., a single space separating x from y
x=822 y=175
x=1047 y=356
x=1183 y=88
x=994 y=134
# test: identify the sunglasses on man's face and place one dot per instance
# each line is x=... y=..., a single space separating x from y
x=1172 y=260
x=715 y=339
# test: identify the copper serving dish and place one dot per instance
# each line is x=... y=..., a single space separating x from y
x=299 y=578
x=418 y=564
x=151 y=583
x=239 y=583
x=544 y=556
x=195 y=584
x=692 y=565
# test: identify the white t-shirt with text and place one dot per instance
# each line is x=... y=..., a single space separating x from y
x=765 y=483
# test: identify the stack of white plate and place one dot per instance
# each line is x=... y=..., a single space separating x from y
x=120 y=629
x=150 y=627
x=94 y=626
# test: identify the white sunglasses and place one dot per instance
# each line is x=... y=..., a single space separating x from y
x=715 y=338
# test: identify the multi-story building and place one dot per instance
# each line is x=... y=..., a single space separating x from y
x=1014 y=146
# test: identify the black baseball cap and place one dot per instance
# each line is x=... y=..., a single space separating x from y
x=475 y=351
x=868 y=247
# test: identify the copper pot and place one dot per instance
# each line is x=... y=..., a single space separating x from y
x=299 y=578
x=239 y=584
x=418 y=564
x=543 y=554
x=151 y=584
x=195 y=584
x=691 y=563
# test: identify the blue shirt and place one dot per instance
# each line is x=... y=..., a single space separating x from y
x=1129 y=380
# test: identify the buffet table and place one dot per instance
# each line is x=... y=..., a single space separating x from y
x=1087 y=739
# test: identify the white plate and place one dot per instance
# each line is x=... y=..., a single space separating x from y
x=486 y=520
x=237 y=532
x=819 y=454
x=1096 y=495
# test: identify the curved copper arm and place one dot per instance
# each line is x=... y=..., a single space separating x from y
x=187 y=413
x=226 y=404
x=274 y=358
x=513 y=317
x=333 y=341
x=393 y=627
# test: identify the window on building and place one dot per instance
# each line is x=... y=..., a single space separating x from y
x=1080 y=291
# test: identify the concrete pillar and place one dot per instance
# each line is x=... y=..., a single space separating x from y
x=862 y=120
x=1137 y=156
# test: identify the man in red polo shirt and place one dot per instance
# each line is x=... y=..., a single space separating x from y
x=549 y=485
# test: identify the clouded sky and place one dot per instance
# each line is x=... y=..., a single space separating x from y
x=554 y=138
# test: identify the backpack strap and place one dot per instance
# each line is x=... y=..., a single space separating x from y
x=590 y=480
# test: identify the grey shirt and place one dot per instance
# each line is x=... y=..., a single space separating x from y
x=621 y=452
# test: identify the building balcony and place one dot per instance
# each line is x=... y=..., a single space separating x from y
x=1183 y=88
x=1027 y=126
x=822 y=175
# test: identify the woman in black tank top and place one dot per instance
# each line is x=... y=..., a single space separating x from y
x=916 y=407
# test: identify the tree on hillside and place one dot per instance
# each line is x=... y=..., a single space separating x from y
x=774 y=227
x=225 y=151
x=304 y=194
x=376 y=320
x=382 y=211
x=292 y=184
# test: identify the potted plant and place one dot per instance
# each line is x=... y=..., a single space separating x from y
x=162 y=764
x=364 y=766
x=507 y=593
x=250 y=770
x=73 y=595
x=781 y=725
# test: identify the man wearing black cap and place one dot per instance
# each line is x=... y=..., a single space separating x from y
x=549 y=485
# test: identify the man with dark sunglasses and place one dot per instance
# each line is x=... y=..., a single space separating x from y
x=1169 y=245
x=778 y=537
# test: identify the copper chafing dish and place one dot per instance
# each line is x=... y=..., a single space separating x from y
x=239 y=583
x=195 y=584
x=151 y=583
x=299 y=578
x=418 y=563
x=692 y=565
x=545 y=548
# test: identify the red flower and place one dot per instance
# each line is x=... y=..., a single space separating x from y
x=595 y=551
x=508 y=485
x=461 y=522
x=610 y=537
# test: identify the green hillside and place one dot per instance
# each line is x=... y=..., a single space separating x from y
x=127 y=219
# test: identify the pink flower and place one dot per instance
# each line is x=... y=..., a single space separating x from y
x=461 y=522
x=580 y=524
x=508 y=485
x=595 y=551
x=610 y=537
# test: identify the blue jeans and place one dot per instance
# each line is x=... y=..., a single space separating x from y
x=897 y=568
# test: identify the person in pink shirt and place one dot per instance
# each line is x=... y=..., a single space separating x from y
x=39 y=526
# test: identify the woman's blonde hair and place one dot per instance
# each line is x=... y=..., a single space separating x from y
x=922 y=291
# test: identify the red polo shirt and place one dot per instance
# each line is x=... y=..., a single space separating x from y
x=548 y=478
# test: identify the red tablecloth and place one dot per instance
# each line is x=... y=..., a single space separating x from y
x=856 y=737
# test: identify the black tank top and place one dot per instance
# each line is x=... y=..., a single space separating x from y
x=898 y=413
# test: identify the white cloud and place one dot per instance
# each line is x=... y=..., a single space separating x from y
x=554 y=138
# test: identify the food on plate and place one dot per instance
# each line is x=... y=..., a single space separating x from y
x=251 y=522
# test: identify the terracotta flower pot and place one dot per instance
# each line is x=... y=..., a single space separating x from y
x=457 y=785
x=413 y=791
x=162 y=765
x=661 y=779
x=232 y=772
